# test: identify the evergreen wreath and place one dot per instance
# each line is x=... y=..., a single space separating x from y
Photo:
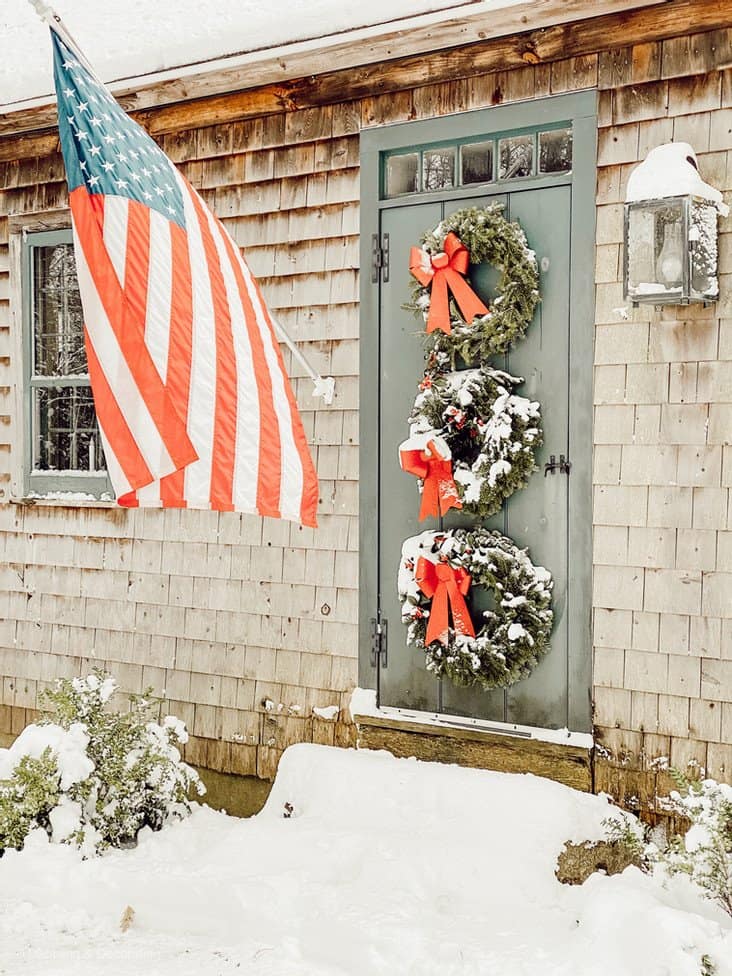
x=489 y=237
x=513 y=635
x=491 y=432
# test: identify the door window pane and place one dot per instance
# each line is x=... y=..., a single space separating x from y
x=402 y=174
x=438 y=168
x=477 y=162
x=516 y=157
x=555 y=151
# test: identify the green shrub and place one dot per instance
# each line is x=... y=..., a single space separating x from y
x=629 y=835
x=27 y=798
x=704 y=853
x=92 y=776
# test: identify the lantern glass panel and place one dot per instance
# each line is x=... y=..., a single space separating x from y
x=656 y=251
x=670 y=248
x=704 y=251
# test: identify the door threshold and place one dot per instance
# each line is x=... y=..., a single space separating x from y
x=560 y=755
x=363 y=705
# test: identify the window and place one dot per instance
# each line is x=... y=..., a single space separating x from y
x=504 y=157
x=64 y=451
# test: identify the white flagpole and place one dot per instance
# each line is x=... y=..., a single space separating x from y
x=49 y=16
x=324 y=386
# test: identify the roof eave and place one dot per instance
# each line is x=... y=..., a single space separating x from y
x=351 y=49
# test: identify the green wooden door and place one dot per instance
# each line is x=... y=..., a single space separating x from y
x=552 y=515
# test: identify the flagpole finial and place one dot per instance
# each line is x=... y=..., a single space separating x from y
x=44 y=11
x=324 y=387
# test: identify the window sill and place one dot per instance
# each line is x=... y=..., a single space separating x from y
x=60 y=502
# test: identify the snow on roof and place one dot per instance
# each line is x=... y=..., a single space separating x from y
x=140 y=37
x=670 y=170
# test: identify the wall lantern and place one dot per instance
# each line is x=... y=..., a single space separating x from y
x=671 y=230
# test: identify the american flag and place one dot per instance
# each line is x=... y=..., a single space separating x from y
x=194 y=405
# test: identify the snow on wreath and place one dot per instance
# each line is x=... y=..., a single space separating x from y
x=472 y=441
x=463 y=325
x=440 y=571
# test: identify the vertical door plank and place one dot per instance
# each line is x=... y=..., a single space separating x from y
x=537 y=516
x=405 y=682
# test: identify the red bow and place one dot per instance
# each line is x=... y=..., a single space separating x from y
x=439 y=492
x=447 y=587
x=446 y=271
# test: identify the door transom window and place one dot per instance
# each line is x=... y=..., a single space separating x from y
x=508 y=156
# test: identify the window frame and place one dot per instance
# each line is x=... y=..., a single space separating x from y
x=51 y=485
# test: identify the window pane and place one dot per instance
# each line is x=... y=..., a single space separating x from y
x=438 y=168
x=65 y=432
x=516 y=157
x=477 y=162
x=402 y=174
x=58 y=321
x=555 y=151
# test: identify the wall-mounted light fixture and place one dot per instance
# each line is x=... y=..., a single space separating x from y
x=671 y=230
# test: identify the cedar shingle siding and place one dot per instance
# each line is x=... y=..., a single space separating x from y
x=245 y=625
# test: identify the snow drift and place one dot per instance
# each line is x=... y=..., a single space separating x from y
x=385 y=866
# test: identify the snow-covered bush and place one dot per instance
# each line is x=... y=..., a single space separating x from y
x=92 y=776
x=704 y=853
x=27 y=797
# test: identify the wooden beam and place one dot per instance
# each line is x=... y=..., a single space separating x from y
x=570 y=765
x=614 y=31
x=361 y=47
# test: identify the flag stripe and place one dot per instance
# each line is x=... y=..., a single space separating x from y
x=268 y=481
x=112 y=309
x=113 y=213
x=159 y=292
x=137 y=259
x=113 y=423
x=202 y=395
x=224 y=435
x=172 y=488
x=292 y=470
x=148 y=292
x=116 y=474
x=304 y=494
x=248 y=413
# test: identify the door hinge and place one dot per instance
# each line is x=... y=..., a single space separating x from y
x=379 y=258
x=379 y=632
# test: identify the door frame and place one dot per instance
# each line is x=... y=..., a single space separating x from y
x=579 y=108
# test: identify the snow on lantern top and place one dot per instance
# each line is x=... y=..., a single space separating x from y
x=671 y=230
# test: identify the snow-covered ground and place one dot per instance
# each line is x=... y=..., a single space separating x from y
x=385 y=866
